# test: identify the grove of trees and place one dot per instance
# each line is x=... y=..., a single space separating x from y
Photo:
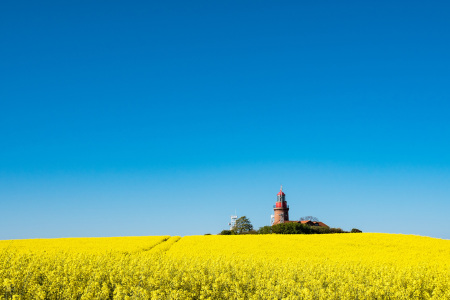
x=244 y=226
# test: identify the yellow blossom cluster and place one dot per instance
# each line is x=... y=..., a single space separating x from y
x=329 y=266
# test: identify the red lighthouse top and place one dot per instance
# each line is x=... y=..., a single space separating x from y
x=281 y=191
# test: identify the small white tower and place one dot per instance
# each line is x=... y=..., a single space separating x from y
x=233 y=221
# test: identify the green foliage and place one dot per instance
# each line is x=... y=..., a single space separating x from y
x=249 y=232
x=355 y=230
x=265 y=230
x=337 y=230
x=226 y=232
x=243 y=226
x=322 y=230
x=298 y=228
x=292 y=228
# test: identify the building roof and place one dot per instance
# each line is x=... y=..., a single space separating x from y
x=322 y=224
x=281 y=192
x=313 y=223
x=305 y=222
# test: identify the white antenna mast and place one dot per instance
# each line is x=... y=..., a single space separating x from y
x=233 y=221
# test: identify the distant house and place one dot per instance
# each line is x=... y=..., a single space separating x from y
x=307 y=222
x=310 y=223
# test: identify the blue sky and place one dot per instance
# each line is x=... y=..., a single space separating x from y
x=146 y=118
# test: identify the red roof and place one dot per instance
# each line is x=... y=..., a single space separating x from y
x=280 y=192
x=313 y=223
x=322 y=224
x=306 y=222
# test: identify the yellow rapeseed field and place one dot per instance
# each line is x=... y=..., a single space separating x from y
x=328 y=266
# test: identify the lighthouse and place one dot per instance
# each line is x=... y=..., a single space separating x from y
x=280 y=209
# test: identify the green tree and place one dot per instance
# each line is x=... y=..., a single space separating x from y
x=226 y=232
x=265 y=230
x=292 y=228
x=243 y=225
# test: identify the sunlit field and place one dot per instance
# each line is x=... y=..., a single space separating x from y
x=332 y=266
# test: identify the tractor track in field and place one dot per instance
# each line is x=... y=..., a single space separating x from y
x=165 y=245
x=155 y=245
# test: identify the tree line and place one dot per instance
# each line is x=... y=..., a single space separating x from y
x=244 y=226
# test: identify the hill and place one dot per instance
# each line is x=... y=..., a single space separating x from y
x=335 y=266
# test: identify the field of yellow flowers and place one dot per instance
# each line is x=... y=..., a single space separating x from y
x=331 y=266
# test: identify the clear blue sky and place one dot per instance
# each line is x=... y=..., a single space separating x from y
x=152 y=118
